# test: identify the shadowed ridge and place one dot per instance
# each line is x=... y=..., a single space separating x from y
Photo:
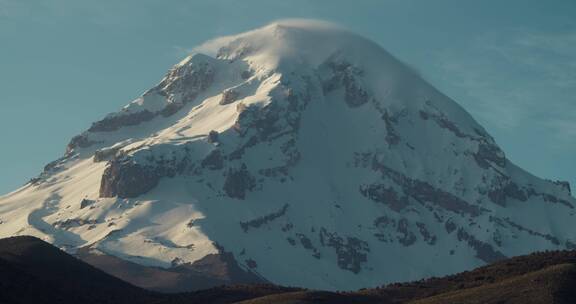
x=507 y=270
x=230 y=294
x=310 y=297
x=210 y=271
x=33 y=271
x=554 y=284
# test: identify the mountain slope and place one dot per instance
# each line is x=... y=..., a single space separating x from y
x=545 y=276
x=307 y=154
x=212 y=270
x=550 y=285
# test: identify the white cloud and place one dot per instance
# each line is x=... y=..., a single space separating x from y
x=212 y=46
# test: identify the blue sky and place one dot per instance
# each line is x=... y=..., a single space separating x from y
x=67 y=63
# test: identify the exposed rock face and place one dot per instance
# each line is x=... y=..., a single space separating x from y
x=488 y=154
x=484 y=251
x=565 y=185
x=86 y=203
x=351 y=251
x=223 y=266
x=214 y=160
x=79 y=141
x=257 y=223
x=76 y=222
x=263 y=120
x=184 y=82
x=509 y=190
x=106 y=154
x=386 y=195
x=239 y=182
x=213 y=137
x=423 y=192
x=210 y=271
x=344 y=74
x=180 y=86
x=115 y=122
x=426 y=234
x=127 y=179
x=229 y=96
x=406 y=236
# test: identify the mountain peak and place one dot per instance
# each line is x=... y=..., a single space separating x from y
x=299 y=142
x=295 y=41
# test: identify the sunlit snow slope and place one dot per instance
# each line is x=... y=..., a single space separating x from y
x=311 y=154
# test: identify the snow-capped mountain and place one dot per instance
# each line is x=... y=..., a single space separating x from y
x=308 y=154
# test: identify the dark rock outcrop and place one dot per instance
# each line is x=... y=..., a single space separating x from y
x=180 y=86
x=213 y=137
x=105 y=154
x=345 y=75
x=239 y=182
x=214 y=160
x=86 y=203
x=407 y=237
x=125 y=179
x=350 y=251
x=188 y=80
x=426 y=234
x=207 y=272
x=565 y=185
x=424 y=193
x=171 y=108
x=510 y=189
x=117 y=121
x=552 y=239
x=229 y=96
x=386 y=195
x=264 y=120
x=79 y=141
x=74 y=222
x=489 y=154
x=256 y=223
x=306 y=242
x=55 y=166
x=484 y=251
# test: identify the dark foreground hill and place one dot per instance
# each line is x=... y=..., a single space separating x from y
x=33 y=271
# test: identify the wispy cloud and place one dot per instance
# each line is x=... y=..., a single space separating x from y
x=12 y=9
x=518 y=79
x=212 y=46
